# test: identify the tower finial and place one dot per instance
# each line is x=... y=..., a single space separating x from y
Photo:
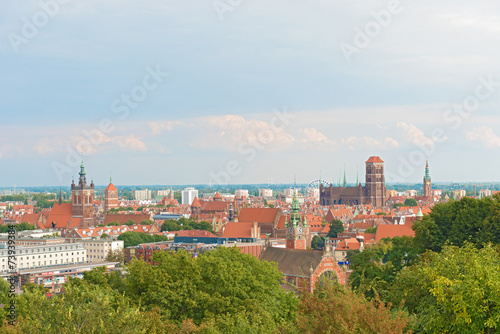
x=345 y=178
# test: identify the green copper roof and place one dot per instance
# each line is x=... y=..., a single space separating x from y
x=419 y=213
x=295 y=216
x=427 y=174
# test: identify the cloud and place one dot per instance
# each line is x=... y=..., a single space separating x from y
x=233 y=132
x=130 y=143
x=46 y=146
x=101 y=142
x=417 y=136
x=354 y=143
x=158 y=127
x=486 y=135
x=312 y=138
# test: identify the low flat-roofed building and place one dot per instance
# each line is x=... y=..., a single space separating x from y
x=42 y=256
x=98 y=249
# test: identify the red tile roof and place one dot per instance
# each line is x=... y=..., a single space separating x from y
x=374 y=159
x=194 y=233
x=239 y=230
x=391 y=231
x=111 y=187
x=60 y=215
x=260 y=215
x=196 y=203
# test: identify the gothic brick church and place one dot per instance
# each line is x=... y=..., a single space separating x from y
x=372 y=193
x=303 y=268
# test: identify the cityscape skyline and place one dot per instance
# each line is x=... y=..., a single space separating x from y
x=313 y=88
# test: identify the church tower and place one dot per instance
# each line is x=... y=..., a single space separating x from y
x=375 y=182
x=82 y=200
x=427 y=181
x=111 y=197
x=297 y=231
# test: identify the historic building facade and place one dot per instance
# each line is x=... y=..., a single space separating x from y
x=82 y=200
x=372 y=193
x=111 y=197
x=427 y=181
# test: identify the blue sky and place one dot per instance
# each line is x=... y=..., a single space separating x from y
x=248 y=91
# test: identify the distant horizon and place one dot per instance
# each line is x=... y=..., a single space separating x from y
x=264 y=185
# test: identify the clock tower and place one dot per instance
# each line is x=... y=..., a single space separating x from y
x=82 y=200
x=297 y=231
x=427 y=181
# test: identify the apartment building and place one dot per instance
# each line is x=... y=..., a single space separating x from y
x=98 y=250
x=28 y=257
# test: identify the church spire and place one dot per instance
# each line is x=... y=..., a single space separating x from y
x=427 y=174
x=345 y=178
x=357 y=176
x=82 y=174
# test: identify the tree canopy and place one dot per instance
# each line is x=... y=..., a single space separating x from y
x=336 y=227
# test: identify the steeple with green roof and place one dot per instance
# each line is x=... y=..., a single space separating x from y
x=345 y=178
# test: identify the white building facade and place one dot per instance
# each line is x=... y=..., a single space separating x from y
x=188 y=195
x=98 y=250
x=28 y=257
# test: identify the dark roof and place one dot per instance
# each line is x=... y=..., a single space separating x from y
x=296 y=262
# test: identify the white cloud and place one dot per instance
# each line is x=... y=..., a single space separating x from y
x=232 y=132
x=486 y=135
x=158 y=127
x=130 y=143
x=354 y=143
x=314 y=139
x=417 y=136
x=46 y=146
x=102 y=142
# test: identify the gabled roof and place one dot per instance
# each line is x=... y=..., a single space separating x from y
x=217 y=195
x=238 y=230
x=111 y=187
x=260 y=215
x=391 y=231
x=196 y=203
x=60 y=215
x=374 y=159
x=296 y=262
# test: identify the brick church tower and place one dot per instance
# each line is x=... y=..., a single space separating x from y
x=297 y=231
x=375 y=182
x=111 y=197
x=427 y=181
x=82 y=200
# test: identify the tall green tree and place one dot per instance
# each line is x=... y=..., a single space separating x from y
x=336 y=227
x=455 y=291
x=221 y=283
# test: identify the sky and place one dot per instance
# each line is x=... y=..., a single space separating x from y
x=240 y=91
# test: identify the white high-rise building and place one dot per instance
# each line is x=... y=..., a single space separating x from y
x=241 y=193
x=162 y=193
x=142 y=195
x=188 y=195
x=265 y=193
